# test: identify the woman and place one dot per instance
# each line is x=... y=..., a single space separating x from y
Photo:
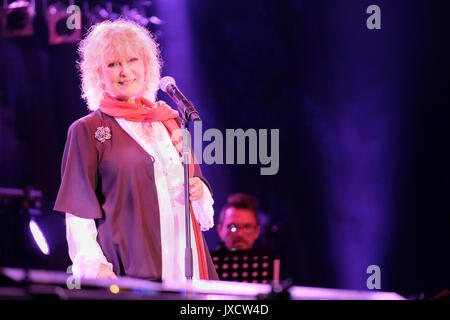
x=122 y=177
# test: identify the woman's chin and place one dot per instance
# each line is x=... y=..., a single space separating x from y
x=127 y=97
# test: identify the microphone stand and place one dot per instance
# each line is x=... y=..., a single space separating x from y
x=188 y=113
x=188 y=260
x=186 y=117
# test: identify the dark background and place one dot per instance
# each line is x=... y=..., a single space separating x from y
x=364 y=169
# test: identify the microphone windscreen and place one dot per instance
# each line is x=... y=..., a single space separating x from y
x=164 y=82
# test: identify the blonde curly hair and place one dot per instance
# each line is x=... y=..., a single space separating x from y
x=117 y=37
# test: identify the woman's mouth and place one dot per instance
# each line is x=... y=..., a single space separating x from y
x=126 y=82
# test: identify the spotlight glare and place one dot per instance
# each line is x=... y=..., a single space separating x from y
x=39 y=237
x=155 y=20
x=18 y=4
x=52 y=10
x=114 y=288
x=103 y=13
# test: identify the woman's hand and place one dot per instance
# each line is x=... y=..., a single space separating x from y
x=195 y=188
x=104 y=272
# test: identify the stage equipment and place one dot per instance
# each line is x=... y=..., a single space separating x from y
x=19 y=210
x=188 y=113
x=64 y=22
x=255 y=266
x=137 y=11
x=39 y=284
x=17 y=18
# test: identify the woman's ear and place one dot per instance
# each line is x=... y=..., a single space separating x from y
x=101 y=78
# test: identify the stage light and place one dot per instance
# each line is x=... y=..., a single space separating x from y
x=19 y=208
x=17 y=18
x=60 y=29
x=39 y=237
x=100 y=11
x=133 y=14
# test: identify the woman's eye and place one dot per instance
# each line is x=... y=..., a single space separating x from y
x=133 y=59
x=112 y=64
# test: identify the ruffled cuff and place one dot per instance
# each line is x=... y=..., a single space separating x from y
x=203 y=209
x=86 y=265
x=84 y=250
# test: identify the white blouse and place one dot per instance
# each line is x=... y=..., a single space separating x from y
x=84 y=250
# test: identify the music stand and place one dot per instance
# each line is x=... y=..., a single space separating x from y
x=255 y=266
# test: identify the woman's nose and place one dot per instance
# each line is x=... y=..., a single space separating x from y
x=125 y=70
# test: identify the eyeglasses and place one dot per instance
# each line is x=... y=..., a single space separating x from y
x=247 y=228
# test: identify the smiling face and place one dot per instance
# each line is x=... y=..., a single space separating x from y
x=123 y=75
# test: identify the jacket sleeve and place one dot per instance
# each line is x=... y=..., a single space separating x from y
x=77 y=192
x=84 y=250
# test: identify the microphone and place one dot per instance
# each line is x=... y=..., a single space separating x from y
x=168 y=85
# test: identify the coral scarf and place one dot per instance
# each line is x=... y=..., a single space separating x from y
x=143 y=110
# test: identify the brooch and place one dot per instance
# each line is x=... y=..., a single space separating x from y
x=102 y=134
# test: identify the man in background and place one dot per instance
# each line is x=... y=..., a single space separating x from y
x=238 y=226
